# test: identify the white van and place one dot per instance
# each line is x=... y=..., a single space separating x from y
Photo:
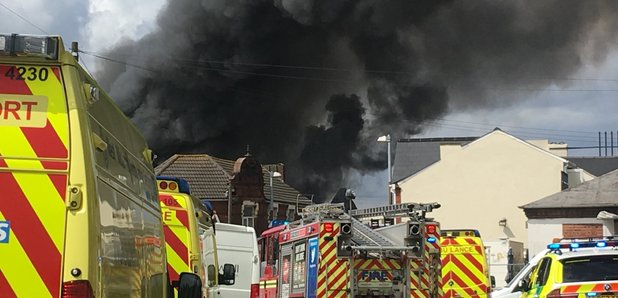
x=238 y=245
x=513 y=288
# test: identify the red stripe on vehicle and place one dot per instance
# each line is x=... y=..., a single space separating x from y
x=570 y=289
x=466 y=271
x=598 y=288
x=60 y=183
x=31 y=233
x=14 y=86
x=56 y=72
x=327 y=252
x=173 y=274
x=333 y=281
x=5 y=287
x=178 y=246
x=45 y=141
x=470 y=241
x=474 y=262
x=169 y=201
x=183 y=217
x=463 y=285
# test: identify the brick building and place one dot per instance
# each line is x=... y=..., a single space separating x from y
x=248 y=188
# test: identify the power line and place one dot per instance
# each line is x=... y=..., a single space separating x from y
x=306 y=78
x=349 y=70
x=24 y=19
x=517 y=127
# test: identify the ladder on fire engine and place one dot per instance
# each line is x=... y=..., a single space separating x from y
x=361 y=234
x=414 y=210
x=397 y=210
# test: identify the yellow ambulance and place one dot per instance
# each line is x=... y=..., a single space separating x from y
x=79 y=212
x=465 y=272
x=190 y=237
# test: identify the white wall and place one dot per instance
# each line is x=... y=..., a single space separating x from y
x=543 y=231
x=484 y=182
x=497 y=255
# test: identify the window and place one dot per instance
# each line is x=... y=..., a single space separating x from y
x=249 y=211
x=275 y=212
x=564 y=180
x=291 y=213
x=590 y=268
x=299 y=271
x=543 y=273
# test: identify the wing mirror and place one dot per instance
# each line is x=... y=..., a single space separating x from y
x=524 y=285
x=229 y=275
x=189 y=285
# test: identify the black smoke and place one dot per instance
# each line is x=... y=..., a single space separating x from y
x=314 y=83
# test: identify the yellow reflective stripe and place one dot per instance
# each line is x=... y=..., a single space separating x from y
x=339 y=267
x=57 y=106
x=38 y=188
x=46 y=202
x=174 y=260
x=18 y=144
x=19 y=271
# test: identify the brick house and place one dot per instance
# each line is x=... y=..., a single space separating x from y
x=243 y=185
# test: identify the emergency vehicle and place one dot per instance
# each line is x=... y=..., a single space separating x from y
x=79 y=213
x=420 y=236
x=190 y=237
x=575 y=268
x=329 y=253
x=465 y=272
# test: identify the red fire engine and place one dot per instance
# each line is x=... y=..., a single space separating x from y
x=331 y=254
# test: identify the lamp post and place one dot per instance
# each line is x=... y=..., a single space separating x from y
x=387 y=139
x=229 y=202
x=272 y=199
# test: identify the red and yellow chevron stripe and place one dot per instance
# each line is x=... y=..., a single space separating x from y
x=590 y=288
x=463 y=273
x=333 y=272
x=418 y=282
x=177 y=234
x=34 y=161
x=434 y=264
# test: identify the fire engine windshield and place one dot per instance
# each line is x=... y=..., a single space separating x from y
x=591 y=268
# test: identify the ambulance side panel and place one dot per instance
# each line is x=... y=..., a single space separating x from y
x=130 y=236
x=89 y=226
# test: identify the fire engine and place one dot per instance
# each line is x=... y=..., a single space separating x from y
x=329 y=253
x=421 y=238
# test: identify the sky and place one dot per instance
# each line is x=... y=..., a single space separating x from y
x=571 y=108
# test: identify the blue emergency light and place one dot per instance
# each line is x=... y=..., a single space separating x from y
x=278 y=222
x=581 y=244
x=432 y=239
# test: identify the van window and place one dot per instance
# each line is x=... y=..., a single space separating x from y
x=590 y=268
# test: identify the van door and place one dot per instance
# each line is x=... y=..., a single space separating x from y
x=463 y=268
x=34 y=160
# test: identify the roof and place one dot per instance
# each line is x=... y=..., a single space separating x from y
x=413 y=155
x=597 y=165
x=598 y=192
x=209 y=176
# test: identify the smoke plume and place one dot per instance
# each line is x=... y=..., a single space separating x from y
x=314 y=83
